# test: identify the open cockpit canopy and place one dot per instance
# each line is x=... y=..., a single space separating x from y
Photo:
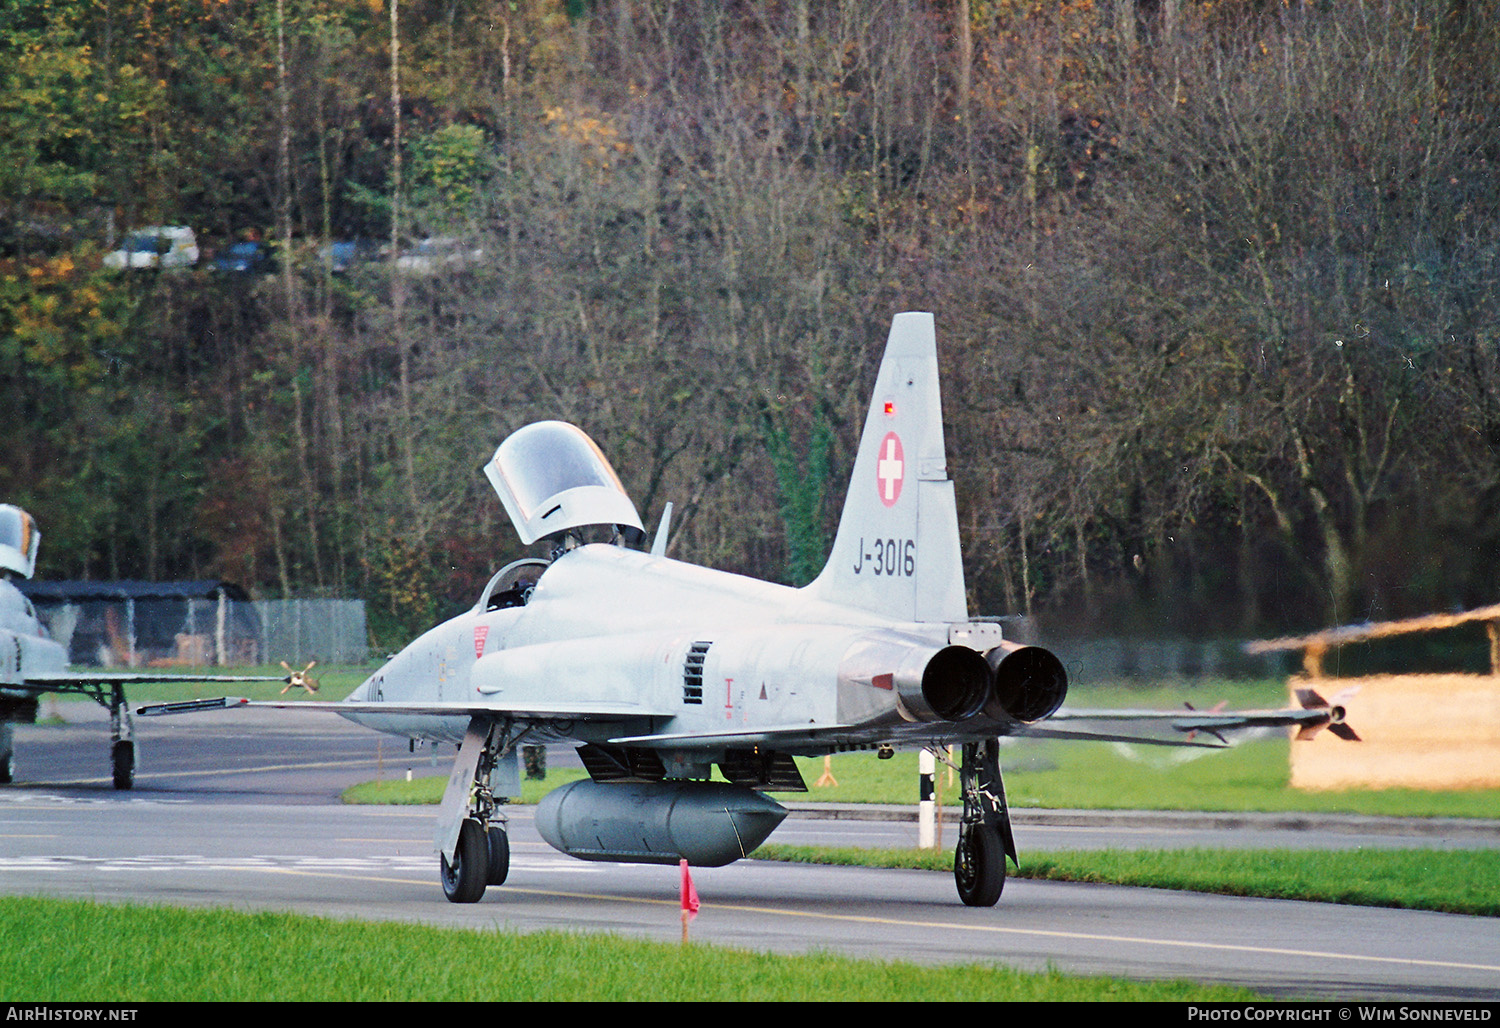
x=553 y=480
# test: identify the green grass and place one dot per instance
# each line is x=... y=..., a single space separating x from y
x=429 y=789
x=1455 y=881
x=1087 y=776
x=69 y=951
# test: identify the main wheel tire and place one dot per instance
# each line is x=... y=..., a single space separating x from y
x=464 y=879
x=7 y=753
x=122 y=759
x=499 y=855
x=979 y=866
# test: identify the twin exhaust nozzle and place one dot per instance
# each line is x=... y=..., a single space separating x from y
x=1008 y=683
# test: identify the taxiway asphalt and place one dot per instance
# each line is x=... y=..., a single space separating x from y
x=243 y=813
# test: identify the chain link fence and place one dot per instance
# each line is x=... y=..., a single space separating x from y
x=297 y=631
x=176 y=624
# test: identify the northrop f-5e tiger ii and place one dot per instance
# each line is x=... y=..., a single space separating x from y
x=659 y=670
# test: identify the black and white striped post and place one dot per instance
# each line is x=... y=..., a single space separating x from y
x=926 y=807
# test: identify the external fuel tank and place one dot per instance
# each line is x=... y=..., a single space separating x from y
x=708 y=824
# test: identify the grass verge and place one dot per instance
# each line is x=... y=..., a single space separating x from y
x=429 y=789
x=1074 y=776
x=1453 y=881
x=69 y=951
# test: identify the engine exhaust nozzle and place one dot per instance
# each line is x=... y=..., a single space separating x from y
x=1030 y=683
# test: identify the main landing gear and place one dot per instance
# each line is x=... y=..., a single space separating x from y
x=7 y=753
x=122 y=760
x=984 y=836
x=122 y=745
x=481 y=859
x=473 y=846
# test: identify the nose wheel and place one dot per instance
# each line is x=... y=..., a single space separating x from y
x=481 y=859
x=466 y=875
x=472 y=843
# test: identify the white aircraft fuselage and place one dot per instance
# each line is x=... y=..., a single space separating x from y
x=614 y=626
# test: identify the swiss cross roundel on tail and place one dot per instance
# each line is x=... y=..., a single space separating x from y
x=890 y=469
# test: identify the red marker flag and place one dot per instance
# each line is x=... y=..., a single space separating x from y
x=689 y=896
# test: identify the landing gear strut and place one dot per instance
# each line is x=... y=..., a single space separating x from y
x=122 y=749
x=473 y=847
x=984 y=836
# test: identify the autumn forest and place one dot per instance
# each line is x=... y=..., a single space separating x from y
x=1216 y=282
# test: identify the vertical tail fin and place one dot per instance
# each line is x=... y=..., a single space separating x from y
x=897 y=549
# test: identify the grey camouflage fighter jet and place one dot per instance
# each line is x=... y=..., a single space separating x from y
x=658 y=670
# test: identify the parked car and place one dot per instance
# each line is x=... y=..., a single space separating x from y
x=245 y=256
x=158 y=246
x=341 y=255
x=436 y=253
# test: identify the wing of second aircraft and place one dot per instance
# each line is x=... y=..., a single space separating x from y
x=555 y=711
x=50 y=680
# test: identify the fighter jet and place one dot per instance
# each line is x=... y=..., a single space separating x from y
x=32 y=663
x=660 y=671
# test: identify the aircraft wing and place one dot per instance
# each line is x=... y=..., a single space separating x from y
x=98 y=684
x=1133 y=726
x=1108 y=725
x=792 y=738
x=1314 y=715
x=54 y=680
x=590 y=711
